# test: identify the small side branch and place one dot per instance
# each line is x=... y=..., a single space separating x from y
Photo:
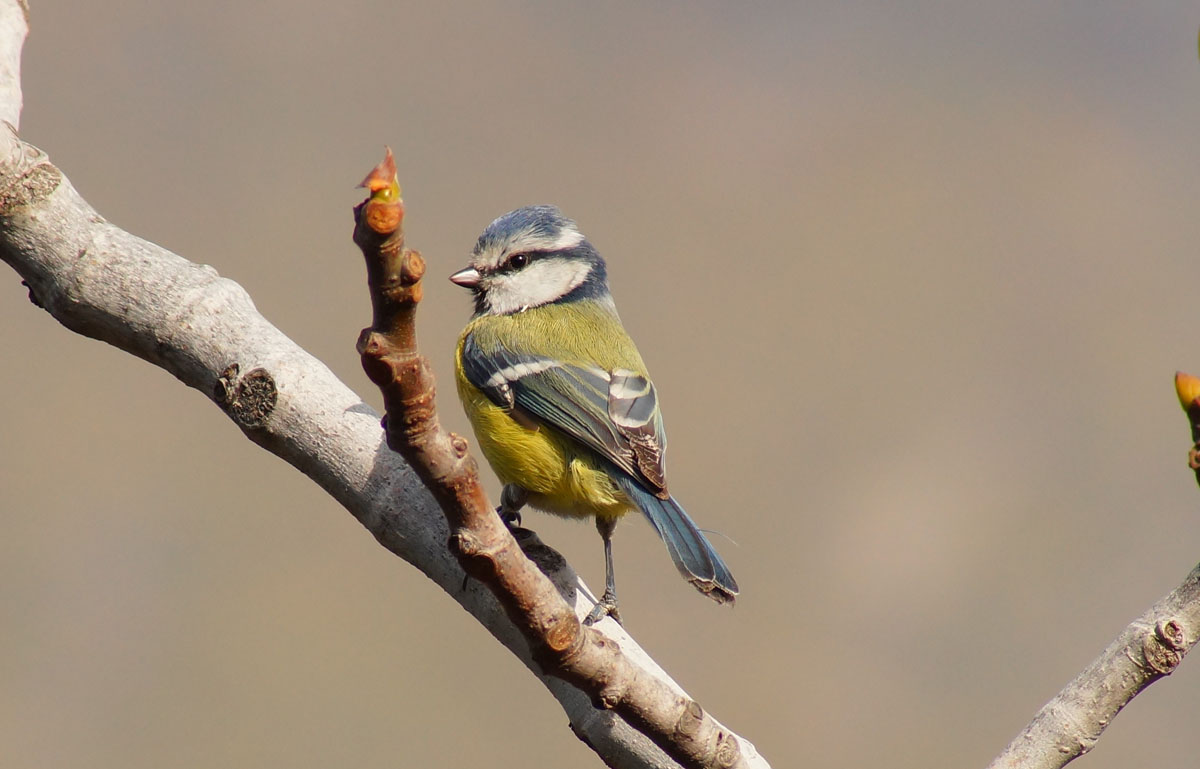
x=1151 y=647
x=486 y=549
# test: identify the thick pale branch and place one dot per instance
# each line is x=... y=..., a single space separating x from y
x=1151 y=647
x=561 y=644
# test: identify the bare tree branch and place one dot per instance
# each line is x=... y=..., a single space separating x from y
x=1151 y=647
x=105 y=283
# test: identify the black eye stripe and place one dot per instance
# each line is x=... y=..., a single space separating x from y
x=522 y=259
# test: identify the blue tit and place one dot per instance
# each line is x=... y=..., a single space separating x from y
x=559 y=398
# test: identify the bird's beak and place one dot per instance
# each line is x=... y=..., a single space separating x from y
x=468 y=278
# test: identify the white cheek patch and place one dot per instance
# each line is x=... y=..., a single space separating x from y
x=542 y=282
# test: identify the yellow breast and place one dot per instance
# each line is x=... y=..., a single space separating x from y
x=560 y=476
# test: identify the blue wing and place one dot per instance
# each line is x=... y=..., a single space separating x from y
x=614 y=413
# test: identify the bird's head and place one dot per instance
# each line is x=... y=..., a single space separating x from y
x=531 y=257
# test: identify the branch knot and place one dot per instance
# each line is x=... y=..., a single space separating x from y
x=476 y=556
x=1171 y=633
x=248 y=400
x=1159 y=653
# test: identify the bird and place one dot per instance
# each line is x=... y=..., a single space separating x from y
x=559 y=398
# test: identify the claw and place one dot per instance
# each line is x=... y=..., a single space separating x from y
x=510 y=518
x=512 y=499
x=605 y=607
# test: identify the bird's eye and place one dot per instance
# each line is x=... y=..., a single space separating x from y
x=517 y=261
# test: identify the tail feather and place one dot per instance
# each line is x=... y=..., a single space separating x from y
x=695 y=558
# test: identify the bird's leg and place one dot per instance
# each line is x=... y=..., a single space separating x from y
x=607 y=605
x=512 y=499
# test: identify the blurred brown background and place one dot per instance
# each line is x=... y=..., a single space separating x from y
x=913 y=281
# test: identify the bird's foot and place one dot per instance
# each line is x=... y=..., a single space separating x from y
x=605 y=607
x=510 y=518
x=512 y=499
